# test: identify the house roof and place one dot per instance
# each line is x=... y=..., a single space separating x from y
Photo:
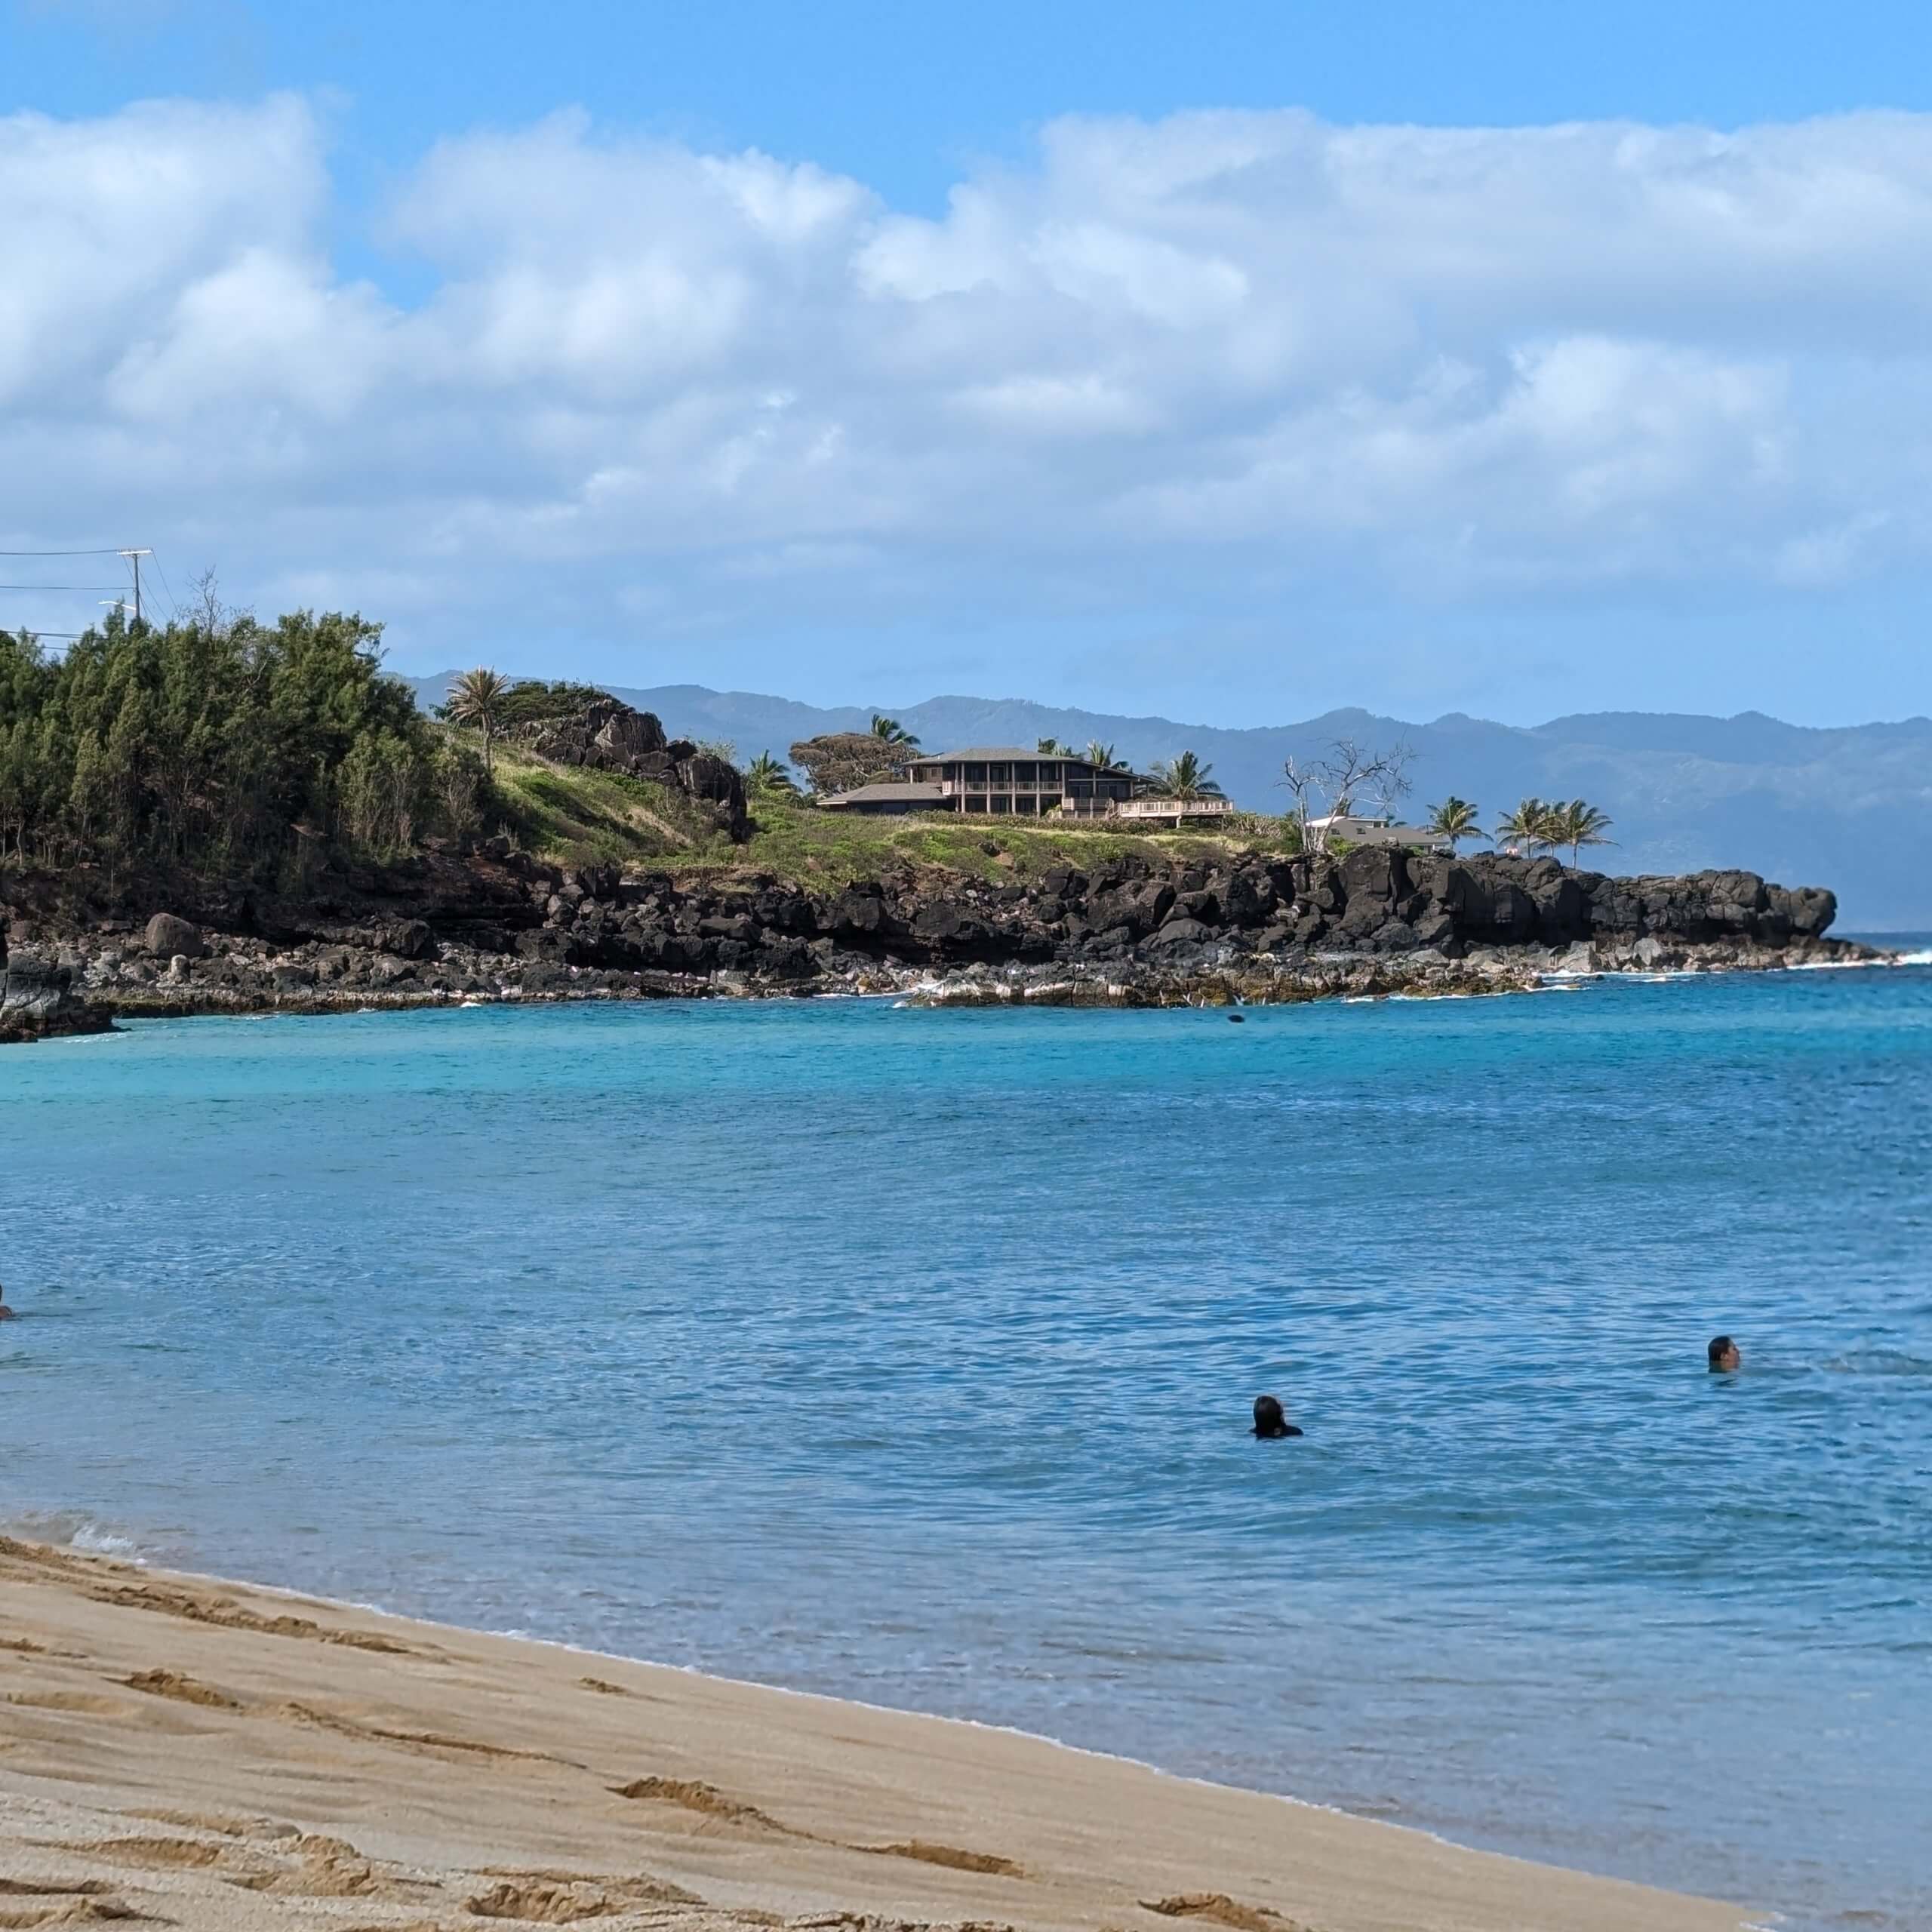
x=889 y=795
x=1004 y=754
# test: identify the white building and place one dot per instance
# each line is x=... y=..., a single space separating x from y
x=1344 y=828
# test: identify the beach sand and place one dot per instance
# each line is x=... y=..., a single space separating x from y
x=203 y=1755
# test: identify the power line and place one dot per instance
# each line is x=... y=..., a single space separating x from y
x=59 y=586
x=174 y=609
x=110 y=551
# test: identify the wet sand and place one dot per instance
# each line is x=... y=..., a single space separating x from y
x=207 y=1755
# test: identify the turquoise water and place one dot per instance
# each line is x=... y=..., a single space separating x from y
x=908 y=1354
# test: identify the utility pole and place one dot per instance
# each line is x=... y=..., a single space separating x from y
x=134 y=557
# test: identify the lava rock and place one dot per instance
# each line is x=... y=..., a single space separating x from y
x=166 y=936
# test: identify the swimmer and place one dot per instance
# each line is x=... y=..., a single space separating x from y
x=1722 y=1355
x=1270 y=1424
x=6 y=1313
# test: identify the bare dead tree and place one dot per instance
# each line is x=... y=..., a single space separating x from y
x=208 y=613
x=1351 y=775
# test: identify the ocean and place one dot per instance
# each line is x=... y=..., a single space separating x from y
x=908 y=1356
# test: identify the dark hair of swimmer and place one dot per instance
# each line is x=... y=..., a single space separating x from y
x=1722 y=1355
x=1270 y=1424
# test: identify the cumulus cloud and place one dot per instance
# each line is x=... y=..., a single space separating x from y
x=1209 y=364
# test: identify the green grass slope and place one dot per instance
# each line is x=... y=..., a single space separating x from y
x=573 y=815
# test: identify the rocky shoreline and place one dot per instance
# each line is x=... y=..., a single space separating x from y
x=497 y=925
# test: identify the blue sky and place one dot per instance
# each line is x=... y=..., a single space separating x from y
x=1209 y=360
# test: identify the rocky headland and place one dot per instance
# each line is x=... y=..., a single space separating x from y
x=496 y=924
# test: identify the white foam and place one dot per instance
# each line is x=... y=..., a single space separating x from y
x=68 y=1530
x=98 y=1542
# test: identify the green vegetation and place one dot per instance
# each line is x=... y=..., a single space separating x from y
x=477 y=699
x=893 y=732
x=222 y=746
x=794 y=840
x=837 y=762
x=575 y=815
x=1546 y=825
x=1576 y=825
x=767 y=774
x=1522 y=829
x=1455 y=819
x=531 y=699
x=1182 y=779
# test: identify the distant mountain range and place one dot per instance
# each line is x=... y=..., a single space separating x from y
x=1849 y=808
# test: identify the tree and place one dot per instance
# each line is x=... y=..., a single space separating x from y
x=1454 y=819
x=842 y=761
x=538 y=700
x=1182 y=779
x=458 y=776
x=1576 y=825
x=1099 y=754
x=1352 y=772
x=1526 y=828
x=767 y=774
x=477 y=698
x=1053 y=748
x=215 y=745
x=893 y=732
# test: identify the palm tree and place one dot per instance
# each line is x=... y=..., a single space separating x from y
x=1454 y=819
x=1527 y=825
x=767 y=774
x=1099 y=754
x=1576 y=825
x=477 y=698
x=1053 y=748
x=893 y=732
x=1183 y=779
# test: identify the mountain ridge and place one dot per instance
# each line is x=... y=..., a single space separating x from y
x=1846 y=806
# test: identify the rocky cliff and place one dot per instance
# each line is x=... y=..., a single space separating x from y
x=1130 y=931
x=610 y=736
x=37 y=1001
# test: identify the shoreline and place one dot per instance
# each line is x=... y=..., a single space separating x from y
x=1351 y=979
x=1246 y=928
x=483 y=1777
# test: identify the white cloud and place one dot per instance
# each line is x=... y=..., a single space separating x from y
x=1225 y=357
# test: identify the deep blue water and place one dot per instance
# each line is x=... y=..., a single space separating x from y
x=908 y=1356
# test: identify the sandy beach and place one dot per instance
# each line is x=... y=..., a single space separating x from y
x=203 y=1755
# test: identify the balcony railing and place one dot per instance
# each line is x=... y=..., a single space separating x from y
x=1172 y=808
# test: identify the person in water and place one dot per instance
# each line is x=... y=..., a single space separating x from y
x=6 y=1313
x=1722 y=1355
x=1270 y=1424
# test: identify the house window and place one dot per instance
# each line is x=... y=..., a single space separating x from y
x=976 y=801
x=1025 y=802
x=1050 y=774
x=1001 y=801
x=975 y=774
x=999 y=775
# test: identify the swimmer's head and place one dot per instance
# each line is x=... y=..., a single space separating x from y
x=1269 y=1418
x=1722 y=1355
